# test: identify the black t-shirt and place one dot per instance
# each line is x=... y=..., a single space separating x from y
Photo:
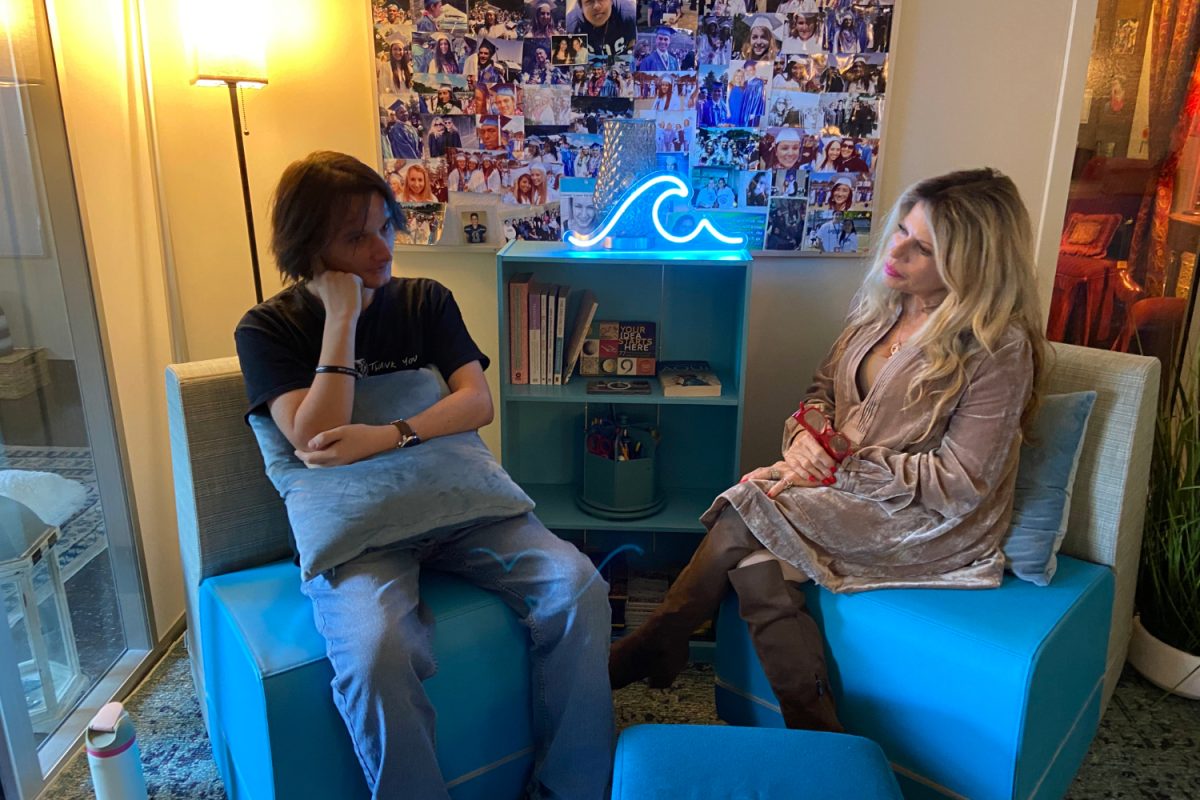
x=410 y=323
x=617 y=35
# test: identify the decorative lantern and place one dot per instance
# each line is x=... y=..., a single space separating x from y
x=35 y=605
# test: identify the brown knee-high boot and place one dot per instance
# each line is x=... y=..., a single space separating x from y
x=658 y=649
x=789 y=646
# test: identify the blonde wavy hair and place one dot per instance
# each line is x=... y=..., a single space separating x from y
x=983 y=251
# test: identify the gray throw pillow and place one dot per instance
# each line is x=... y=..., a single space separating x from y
x=1045 y=477
x=440 y=485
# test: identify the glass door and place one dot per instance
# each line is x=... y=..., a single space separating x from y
x=70 y=577
x=1126 y=275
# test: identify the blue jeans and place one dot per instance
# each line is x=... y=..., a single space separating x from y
x=379 y=640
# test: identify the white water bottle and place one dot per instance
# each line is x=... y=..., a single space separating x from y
x=113 y=755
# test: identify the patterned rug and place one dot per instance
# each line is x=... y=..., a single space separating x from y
x=83 y=533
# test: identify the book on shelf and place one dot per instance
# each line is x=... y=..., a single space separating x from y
x=560 y=329
x=647 y=587
x=583 y=321
x=544 y=342
x=637 y=612
x=644 y=593
x=637 y=351
x=518 y=328
x=548 y=307
x=551 y=325
x=591 y=356
x=688 y=379
x=619 y=386
x=537 y=293
x=620 y=348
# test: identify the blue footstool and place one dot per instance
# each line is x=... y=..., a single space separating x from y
x=697 y=762
x=275 y=730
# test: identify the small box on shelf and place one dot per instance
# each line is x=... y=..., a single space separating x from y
x=22 y=372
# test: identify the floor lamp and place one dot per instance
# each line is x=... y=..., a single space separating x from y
x=234 y=56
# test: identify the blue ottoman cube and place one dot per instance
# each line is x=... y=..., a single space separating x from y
x=678 y=762
x=986 y=694
x=275 y=730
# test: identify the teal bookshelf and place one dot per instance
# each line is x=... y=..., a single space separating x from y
x=699 y=301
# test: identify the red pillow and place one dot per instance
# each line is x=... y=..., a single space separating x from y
x=1089 y=234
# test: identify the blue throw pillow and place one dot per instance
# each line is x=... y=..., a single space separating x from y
x=1045 y=476
x=441 y=485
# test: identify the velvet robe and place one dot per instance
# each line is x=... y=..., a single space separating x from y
x=908 y=508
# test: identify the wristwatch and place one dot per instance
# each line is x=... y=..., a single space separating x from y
x=408 y=437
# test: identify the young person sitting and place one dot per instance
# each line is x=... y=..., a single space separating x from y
x=302 y=353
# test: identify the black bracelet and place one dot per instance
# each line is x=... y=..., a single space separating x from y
x=337 y=369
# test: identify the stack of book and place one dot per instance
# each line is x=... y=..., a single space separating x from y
x=645 y=593
x=688 y=379
x=550 y=330
x=542 y=346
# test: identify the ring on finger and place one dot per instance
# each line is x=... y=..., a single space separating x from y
x=774 y=474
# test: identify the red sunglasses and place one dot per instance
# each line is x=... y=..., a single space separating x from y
x=813 y=420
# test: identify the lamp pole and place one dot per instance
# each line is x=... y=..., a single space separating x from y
x=241 y=151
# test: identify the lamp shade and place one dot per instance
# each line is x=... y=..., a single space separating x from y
x=20 y=57
x=228 y=38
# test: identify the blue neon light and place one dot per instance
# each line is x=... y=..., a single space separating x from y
x=675 y=187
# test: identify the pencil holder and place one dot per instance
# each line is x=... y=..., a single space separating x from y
x=624 y=487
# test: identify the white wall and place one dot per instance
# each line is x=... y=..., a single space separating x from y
x=971 y=83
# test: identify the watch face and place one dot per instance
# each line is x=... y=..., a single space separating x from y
x=405 y=431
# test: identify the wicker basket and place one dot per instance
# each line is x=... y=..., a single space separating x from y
x=23 y=372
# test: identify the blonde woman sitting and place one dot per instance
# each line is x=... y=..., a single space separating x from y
x=898 y=468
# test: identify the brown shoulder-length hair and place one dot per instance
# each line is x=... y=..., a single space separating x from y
x=312 y=198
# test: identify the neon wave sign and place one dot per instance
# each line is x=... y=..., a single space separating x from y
x=672 y=187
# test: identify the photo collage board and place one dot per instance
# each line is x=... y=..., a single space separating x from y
x=491 y=113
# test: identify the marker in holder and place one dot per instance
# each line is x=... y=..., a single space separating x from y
x=619 y=477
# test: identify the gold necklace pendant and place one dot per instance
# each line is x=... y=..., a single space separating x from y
x=895 y=348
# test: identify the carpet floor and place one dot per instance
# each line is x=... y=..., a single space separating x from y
x=1148 y=745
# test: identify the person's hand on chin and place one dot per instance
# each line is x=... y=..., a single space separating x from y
x=342 y=293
